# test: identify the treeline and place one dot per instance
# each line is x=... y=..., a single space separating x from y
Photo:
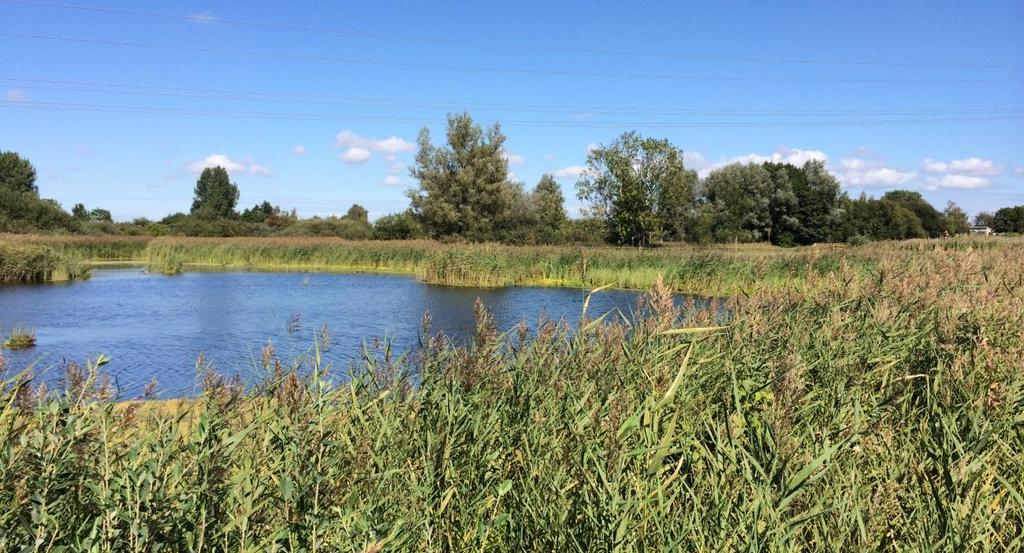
x=637 y=191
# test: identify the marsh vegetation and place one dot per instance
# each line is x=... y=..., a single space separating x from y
x=868 y=406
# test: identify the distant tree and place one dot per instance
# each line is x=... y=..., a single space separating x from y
x=548 y=205
x=398 y=226
x=1009 y=219
x=464 y=189
x=17 y=174
x=931 y=220
x=259 y=212
x=955 y=220
x=739 y=202
x=215 y=195
x=79 y=212
x=878 y=219
x=635 y=184
x=983 y=218
x=358 y=213
x=101 y=215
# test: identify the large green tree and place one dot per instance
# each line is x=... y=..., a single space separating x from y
x=638 y=186
x=738 y=198
x=1009 y=219
x=215 y=195
x=548 y=205
x=464 y=188
x=931 y=219
x=17 y=174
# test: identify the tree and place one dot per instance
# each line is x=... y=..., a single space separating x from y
x=739 y=200
x=358 y=214
x=955 y=220
x=79 y=212
x=931 y=219
x=1009 y=219
x=984 y=218
x=636 y=185
x=818 y=196
x=17 y=174
x=548 y=205
x=397 y=226
x=464 y=190
x=215 y=195
x=101 y=215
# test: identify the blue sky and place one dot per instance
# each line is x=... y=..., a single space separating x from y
x=321 y=108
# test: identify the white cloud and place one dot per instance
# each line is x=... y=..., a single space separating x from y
x=697 y=162
x=361 y=148
x=393 y=145
x=549 y=157
x=969 y=166
x=871 y=171
x=571 y=172
x=396 y=168
x=299 y=150
x=258 y=169
x=513 y=159
x=963 y=182
x=232 y=166
x=206 y=18
x=592 y=146
x=794 y=156
x=392 y=180
x=16 y=95
x=356 y=154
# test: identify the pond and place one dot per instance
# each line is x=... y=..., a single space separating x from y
x=156 y=326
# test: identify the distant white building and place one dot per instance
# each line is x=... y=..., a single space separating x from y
x=983 y=230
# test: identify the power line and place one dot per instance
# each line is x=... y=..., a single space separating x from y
x=493 y=69
x=214 y=94
x=506 y=45
x=107 y=108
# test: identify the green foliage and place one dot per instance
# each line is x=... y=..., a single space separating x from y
x=548 y=210
x=215 y=195
x=930 y=218
x=739 y=200
x=1009 y=219
x=33 y=262
x=17 y=174
x=639 y=187
x=464 y=191
x=398 y=226
x=955 y=220
x=271 y=215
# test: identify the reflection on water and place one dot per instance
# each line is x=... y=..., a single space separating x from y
x=156 y=326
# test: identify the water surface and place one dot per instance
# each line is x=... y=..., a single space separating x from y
x=156 y=326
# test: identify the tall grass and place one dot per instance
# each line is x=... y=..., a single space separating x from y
x=716 y=270
x=872 y=408
x=26 y=263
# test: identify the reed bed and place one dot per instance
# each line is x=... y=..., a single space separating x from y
x=89 y=248
x=716 y=270
x=30 y=263
x=873 y=407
